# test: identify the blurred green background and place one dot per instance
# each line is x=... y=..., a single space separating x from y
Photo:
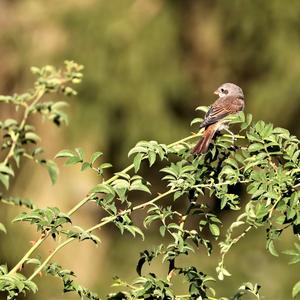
x=148 y=64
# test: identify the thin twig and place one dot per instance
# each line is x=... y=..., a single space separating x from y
x=105 y=221
x=27 y=111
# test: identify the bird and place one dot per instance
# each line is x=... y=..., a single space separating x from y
x=230 y=101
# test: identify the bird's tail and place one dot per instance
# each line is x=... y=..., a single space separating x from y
x=203 y=144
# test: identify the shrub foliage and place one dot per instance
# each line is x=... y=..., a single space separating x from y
x=262 y=164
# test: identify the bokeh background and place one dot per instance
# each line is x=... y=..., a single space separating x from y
x=148 y=64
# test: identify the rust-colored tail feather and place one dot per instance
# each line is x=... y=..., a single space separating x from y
x=203 y=144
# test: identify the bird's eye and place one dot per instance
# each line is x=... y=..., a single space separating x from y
x=224 y=91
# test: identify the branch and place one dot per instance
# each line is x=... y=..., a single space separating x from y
x=105 y=221
x=39 y=94
x=88 y=197
x=126 y=170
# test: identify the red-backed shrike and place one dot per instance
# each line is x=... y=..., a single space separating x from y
x=230 y=101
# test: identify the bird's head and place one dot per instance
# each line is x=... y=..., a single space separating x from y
x=229 y=89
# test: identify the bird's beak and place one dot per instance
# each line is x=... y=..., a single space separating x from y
x=216 y=92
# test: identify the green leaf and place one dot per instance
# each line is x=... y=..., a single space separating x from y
x=2 y=228
x=80 y=153
x=31 y=285
x=232 y=162
x=138 y=185
x=202 y=108
x=105 y=166
x=247 y=123
x=17 y=201
x=162 y=230
x=255 y=147
x=272 y=249
x=5 y=180
x=73 y=161
x=151 y=157
x=103 y=188
x=121 y=184
x=140 y=147
x=296 y=289
x=95 y=156
x=196 y=121
x=52 y=170
x=64 y=153
x=6 y=169
x=214 y=229
x=33 y=261
x=85 y=165
x=134 y=229
x=33 y=137
x=137 y=161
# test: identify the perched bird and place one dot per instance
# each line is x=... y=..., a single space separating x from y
x=230 y=101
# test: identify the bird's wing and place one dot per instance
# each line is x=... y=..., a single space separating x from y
x=223 y=107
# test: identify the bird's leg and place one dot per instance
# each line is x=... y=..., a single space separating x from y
x=225 y=127
x=231 y=133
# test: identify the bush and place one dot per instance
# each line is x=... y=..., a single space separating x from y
x=264 y=162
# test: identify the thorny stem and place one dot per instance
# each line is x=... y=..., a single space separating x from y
x=105 y=221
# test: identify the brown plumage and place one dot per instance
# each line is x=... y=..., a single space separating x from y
x=231 y=101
